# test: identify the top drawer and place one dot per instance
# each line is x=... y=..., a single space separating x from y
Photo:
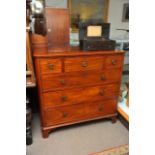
x=114 y=61
x=83 y=63
x=50 y=66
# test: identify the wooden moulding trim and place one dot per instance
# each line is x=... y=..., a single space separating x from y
x=81 y=121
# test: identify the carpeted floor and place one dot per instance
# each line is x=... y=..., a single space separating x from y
x=81 y=139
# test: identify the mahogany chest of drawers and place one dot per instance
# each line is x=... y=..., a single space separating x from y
x=76 y=86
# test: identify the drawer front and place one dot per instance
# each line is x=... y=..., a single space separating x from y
x=101 y=108
x=114 y=61
x=50 y=66
x=83 y=63
x=86 y=94
x=51 y=82
x=63 y=114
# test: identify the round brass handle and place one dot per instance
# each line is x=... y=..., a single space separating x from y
x=62 y=82
x=101 y=92
x=63 y=98
x=84 y=63
x=65 y=114
x=51 y=66
x=100 y=109
x=113 y=62
x=103 y=77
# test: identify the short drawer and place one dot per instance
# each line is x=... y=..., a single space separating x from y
x=50 y=66
x=58 y=82
x=79 y=95
x=83 y=63
x=101 y=108
x=63 y=114
x=114 y=61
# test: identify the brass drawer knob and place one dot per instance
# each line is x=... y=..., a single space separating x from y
x=51 y=66
x=65 y=114
x=101 y=92
x=100 y=109
x=113 y=62
x=103 y=77
x=63 y=98
x=84 y=64
x=62 y=82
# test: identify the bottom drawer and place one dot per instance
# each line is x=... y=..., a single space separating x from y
x=77 y=112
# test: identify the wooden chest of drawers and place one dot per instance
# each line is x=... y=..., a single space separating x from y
x=76 y=86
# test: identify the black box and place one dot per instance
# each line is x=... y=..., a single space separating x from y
x=99 y=42
x=93 y=44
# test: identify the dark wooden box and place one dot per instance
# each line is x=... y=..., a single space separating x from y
x=92 y=44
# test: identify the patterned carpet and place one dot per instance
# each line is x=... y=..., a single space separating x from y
x=120 y=150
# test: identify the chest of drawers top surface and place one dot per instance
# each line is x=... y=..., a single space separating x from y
x=71 y=51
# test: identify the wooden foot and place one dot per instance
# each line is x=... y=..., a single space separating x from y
x=45 y=133
x=114 y=119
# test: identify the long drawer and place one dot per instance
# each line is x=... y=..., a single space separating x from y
x=79 y=95
x=52 y=82
x=70 y=113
